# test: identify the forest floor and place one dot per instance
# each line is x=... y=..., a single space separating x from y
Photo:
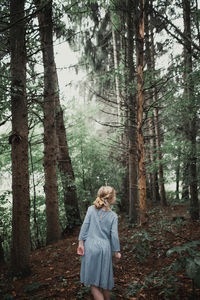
x=148 y=269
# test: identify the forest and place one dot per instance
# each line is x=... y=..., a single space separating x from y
x=133 y=123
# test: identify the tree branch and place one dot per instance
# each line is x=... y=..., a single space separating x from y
x=184 y=37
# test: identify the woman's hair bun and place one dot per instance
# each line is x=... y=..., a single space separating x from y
x=105 y=196
x=98 y=203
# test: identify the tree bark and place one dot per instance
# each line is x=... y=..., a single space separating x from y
x=161 y=172
x=20 y=250
x=139 y=25
x=116 y=69
x=50 y=137
x=131 y=99
x=157 y=123
x=65 y=167
x=150 y=98
x=124 y=112
x=2 y=260
x=191 y=131
x=197 y=20
x=36 y=227
x=155 y=187
x=149 y=174
x=185 y=181
x=178 y=176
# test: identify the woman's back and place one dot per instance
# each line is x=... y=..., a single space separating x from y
x=100 y=223
x=97 y=239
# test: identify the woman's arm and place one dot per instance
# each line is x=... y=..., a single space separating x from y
x=83 y=234
x=80 y=249
x=85 y=226
x=114 y=236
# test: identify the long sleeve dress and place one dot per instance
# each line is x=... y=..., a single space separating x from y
x=99 y=232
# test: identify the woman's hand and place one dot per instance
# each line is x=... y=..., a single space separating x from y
x=80 y=249
x=117 y=255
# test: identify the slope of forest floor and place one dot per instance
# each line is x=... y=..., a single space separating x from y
x=148 y=269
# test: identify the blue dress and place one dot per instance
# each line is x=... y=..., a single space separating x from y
x=99 y=232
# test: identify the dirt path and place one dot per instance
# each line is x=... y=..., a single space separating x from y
x=141 y=274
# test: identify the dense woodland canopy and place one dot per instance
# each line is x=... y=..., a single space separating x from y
x=135 y=125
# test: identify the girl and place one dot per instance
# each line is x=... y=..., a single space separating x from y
x=97 y=239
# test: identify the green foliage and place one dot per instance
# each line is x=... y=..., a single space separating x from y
x=7 y=297
x=82 y=292
x=142 y=245
x=163 y=279
x=5 y=287
x=34 y=286
x=5 y=152
x=94 y=158
x=133 y=288
x=188 y=259
x=5 y=222
x=38 y=228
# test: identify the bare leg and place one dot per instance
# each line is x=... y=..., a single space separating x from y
x=97 y=294
x=106 y=294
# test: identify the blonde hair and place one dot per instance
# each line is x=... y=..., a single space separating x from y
x=104 y=197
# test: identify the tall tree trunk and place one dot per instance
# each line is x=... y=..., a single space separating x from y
x=116 y=68
x=158 y=140
x=178 y=175
x=197 y=20
x=155 y=187
x=65 y=167
x=190 y=99
x=157 y=123
x=2 y=261
x=149 y=174
x=125 y=111
x=148 y=102
x=140 y=140
x=20 y=251
x=131 y=99
x=36 y=227
x=50 y=137
x=185 y=181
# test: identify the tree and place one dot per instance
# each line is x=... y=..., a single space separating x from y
x=116 y=52
x=190 y=100
x=139 y=25
x=156 y=118
x=65 y=166
x=131 y=106
x=20 y=250
x=49 y=108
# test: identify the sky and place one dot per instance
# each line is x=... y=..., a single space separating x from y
x=68 y=77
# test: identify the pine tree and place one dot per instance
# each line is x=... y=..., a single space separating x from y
x=190 y=122
x=49 y=108
x=20 y=251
